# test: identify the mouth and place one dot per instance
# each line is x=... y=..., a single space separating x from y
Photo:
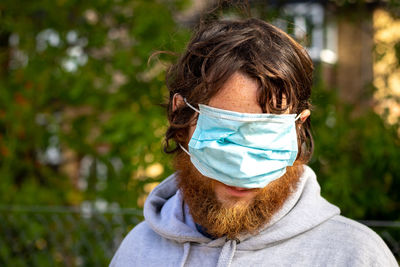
x=238 y=191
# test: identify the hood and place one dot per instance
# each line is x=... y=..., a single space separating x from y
x=167 y=215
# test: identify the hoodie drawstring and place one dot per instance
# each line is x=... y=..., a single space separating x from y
x=186 y=249
x=227 y=252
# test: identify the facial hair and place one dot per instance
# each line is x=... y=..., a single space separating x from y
x=230 y=220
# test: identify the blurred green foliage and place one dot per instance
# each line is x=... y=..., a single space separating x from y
x=75 y=81
x=62 y=236
x=356 y=157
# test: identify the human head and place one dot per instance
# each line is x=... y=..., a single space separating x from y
x=253 y=47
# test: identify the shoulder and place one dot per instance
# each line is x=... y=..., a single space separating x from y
x=139 y=234
x=135 y=246
x=355 y=232
x=357 y=241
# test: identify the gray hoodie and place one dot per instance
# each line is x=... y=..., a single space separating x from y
x=307 y=231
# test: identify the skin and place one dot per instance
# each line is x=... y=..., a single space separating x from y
x=238 y=94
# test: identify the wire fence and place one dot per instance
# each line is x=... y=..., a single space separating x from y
x=67 y=236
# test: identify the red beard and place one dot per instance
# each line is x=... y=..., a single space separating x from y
x=242 y=217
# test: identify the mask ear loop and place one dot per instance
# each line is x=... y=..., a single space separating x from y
x=190 y=106
x=184 y=149
x=297 y=117
x=198 y=111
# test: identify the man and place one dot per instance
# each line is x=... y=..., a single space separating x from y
x=242 y=194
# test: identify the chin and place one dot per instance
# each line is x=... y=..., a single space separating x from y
x=234 y=203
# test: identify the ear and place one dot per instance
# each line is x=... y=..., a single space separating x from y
x=304 y=115
x=177 y=102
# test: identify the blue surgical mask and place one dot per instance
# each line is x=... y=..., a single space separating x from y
x=242 y=149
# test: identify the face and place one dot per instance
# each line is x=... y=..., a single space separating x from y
x=226 y=210
x=238 y=94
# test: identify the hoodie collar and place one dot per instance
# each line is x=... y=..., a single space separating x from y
x=164 y=211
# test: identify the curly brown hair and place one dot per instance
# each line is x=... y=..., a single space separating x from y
x=253 y=47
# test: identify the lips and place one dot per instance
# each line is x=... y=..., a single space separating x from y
x=237 y=191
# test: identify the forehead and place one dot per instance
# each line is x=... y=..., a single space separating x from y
x=238 y=93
